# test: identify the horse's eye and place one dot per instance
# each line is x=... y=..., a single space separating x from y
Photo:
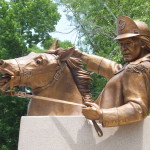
x=38 y=61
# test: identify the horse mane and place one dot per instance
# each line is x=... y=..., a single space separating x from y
x=81 y=77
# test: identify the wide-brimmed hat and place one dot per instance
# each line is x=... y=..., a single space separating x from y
x=127 y=27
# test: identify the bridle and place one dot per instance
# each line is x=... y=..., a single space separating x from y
x=56 y=77
x=29 y=73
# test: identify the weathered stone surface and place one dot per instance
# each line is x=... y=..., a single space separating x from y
x=76 y=133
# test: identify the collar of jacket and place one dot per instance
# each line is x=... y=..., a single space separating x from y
x=145 y=58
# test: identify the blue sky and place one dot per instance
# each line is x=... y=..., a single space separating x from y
x=63 y=27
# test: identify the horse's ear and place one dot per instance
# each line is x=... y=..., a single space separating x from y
x=32 y=54
x=54 y=46
x=66 y=54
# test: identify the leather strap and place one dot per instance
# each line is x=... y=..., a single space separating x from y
x=26 y=95
x=27 y=73
x=57 y=76
x=96 y=126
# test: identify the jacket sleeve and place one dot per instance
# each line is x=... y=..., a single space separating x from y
x=100 y=65
x=135 y=88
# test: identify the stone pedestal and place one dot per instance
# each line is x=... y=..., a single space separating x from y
x=76 y=133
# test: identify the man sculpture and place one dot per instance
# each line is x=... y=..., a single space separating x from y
x=126 y=96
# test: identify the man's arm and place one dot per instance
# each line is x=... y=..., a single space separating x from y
x=136 y=97
x=99 y=65
x=135 y=108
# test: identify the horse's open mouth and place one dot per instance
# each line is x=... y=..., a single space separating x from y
x=4 y=81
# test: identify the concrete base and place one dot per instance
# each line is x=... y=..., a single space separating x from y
x=76 y=133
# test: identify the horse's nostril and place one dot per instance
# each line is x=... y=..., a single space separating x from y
x=1 y=62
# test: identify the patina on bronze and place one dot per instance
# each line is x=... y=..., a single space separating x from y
x=125 y=98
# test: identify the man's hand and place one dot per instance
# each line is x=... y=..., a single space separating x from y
x=77 y=54
x=92 y=111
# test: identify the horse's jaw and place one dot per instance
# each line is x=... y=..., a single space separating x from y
x=6 y=77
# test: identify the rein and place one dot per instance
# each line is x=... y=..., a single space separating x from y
x=26 y=95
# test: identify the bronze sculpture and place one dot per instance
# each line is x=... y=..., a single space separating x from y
x=50 y=75
x=56 y=80
x=125 y=98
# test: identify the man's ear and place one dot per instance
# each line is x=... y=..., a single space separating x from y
x=66 y=54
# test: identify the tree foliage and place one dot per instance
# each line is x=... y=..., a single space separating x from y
x=11 y=110
x=49 y=41
x=23 y=23
x=95 y=21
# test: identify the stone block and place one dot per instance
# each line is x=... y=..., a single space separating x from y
x=77 y=133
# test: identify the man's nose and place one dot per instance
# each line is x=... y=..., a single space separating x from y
x=124 y=47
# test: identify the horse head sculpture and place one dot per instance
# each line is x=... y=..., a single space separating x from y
x=53 y=74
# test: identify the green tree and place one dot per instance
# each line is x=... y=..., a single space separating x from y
x=22 y=24
x=49 y=41
x=46 y=45
x=25 y=22
x=95 y=21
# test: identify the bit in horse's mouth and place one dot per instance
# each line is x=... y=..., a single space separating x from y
x=4 y=79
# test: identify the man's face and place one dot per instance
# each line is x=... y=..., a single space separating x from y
x=131 y=49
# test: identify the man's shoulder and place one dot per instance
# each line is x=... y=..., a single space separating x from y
x=145 y=58
x=141 y=65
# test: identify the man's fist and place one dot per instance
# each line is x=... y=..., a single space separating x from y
x=92 y=111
